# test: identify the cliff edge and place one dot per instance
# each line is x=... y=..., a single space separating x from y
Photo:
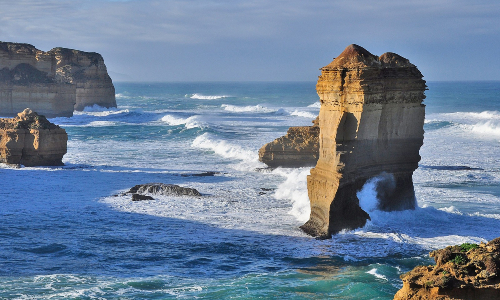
x=371 y=122
x=467 y=271
x=53 y=83
x=31 y=140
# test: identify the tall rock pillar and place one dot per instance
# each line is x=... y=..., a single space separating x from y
x=371 y=123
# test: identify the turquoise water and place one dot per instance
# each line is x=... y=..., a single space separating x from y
x=65 y=235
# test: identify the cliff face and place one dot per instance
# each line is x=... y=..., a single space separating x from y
x=467 y=271
x=53 y=83
x=30 y=140
x=371 y=121
x=298 y=148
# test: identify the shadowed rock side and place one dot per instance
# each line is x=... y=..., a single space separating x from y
x=467 y=272
x=298 y=148
x=53 y=83
x=371 y=121
x=30 y=140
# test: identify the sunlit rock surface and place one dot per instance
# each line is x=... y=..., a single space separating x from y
x=466 y=271
x=30 y=140
x=371 y=122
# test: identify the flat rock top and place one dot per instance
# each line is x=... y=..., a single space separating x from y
x=27 y=119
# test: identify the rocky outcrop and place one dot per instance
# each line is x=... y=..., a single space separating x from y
x=30 y=140
x=143 y=191
x=298 y=148
x=53 y=83
x=371 y=122
x=468 y=271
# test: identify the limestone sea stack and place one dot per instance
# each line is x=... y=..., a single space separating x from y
x=30 y=140
x=53 y=83
x=467 y=272
x=371 y=122
x=298 y=148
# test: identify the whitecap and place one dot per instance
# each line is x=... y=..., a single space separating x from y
x=190 y=122
x=255 y=108
x=374 y=273
x=204 y=97
x=304 y=114
x=315 y=105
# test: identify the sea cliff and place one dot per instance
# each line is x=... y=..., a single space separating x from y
x=53 y=83
x=371 y=122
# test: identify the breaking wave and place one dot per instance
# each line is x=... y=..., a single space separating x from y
x=249 y=159
x=294 y=188
x=304 y=114
x=203 y=97
x=255 y=108
x=190 y=122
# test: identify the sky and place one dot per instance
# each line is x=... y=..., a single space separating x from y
x=256 y=40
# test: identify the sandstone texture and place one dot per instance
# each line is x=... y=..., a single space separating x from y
x=53 y=83
x=298 y=148
x=468 y=271
x=371 y=122
x=143 y=191
x=30 y=140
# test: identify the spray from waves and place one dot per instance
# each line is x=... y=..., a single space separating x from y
x=256 y=108
x=203 y=97
x=304 y=114
x=294 y=188
x=487 y=129
x=315 y=105
x=190 y=122
x=426 y=227
x=248 y=159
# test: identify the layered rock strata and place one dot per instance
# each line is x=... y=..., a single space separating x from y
x=53 y=83
x=298 y=148
x=467 y=272
x=371 y=122
x=30 y=140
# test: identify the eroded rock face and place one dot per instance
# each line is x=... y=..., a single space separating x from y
x=30 y=140
x=371 y=122
x=53 y=83
x=298 y=148
x=464 y=272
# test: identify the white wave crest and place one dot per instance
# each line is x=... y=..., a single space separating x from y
x=249 y=159
x=99 y=111
x=304 y=114
x=487 y=129
x=294 y=188
x=256 y=108
x=374 y=273
x=203 y=97
x=191 y=122
x=315 y=105
x=121 y=96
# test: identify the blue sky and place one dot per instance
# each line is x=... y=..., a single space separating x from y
x=194 y=40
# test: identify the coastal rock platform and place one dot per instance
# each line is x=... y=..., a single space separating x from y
x=467 y=271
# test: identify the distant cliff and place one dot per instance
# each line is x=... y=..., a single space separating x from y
x=53 y=83
x=30 y=140
x=371 y=122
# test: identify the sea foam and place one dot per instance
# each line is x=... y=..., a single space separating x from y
x=255 y=108
x=203 y=97
x=294 y=188
x=304 y=114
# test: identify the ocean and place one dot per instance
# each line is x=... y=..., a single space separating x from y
x=66 y=233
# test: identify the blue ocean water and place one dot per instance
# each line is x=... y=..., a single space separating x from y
x=64 y=234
